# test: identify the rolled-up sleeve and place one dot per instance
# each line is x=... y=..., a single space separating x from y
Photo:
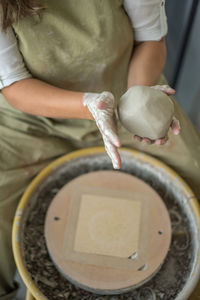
x=148 y=19
x=12 y=66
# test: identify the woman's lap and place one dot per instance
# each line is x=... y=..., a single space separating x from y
x=22 y=156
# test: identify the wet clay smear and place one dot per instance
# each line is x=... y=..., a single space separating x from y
x=170 y=279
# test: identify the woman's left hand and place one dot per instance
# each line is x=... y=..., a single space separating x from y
x=175 y=125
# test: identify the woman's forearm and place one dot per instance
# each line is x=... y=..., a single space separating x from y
x=147 y=63
x=36 y=97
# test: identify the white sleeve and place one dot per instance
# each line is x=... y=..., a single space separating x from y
x=12 y=67
x=148 y=18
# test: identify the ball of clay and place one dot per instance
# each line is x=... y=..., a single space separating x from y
x=146 y=112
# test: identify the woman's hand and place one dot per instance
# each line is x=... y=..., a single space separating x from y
x=101 y=107
x=175 y=126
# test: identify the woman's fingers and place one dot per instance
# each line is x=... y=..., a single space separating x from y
x=111 y=136
x=145 y=139
x=161 y=141
x=141 y=139
x=109 y=129
x=148 y=141
x=112 y=153
x=175 y=126
x=111 y=142
x=165 y=89
x=138 y=138
x=168 y=90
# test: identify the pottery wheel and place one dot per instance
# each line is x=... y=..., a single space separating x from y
x=107 y=231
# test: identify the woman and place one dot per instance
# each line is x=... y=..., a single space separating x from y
x=63 y=66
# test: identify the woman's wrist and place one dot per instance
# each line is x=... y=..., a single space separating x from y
x=85 y=110
x=147 y=63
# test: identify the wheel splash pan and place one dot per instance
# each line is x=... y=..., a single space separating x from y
x=180 y=271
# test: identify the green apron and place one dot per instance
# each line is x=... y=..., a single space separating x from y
x=80 y=45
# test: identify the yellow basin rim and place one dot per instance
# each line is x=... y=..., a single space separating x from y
x=58 y=162
x=29 y=296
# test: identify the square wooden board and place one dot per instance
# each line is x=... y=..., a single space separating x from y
x=108 y=226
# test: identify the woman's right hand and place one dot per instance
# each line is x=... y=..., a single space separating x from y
x=175 y=125
x=101 y=107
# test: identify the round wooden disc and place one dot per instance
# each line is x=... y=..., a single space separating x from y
x=107 y=231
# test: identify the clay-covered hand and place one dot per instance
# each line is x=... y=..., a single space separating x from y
x=102 y=107
x=175 y=125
